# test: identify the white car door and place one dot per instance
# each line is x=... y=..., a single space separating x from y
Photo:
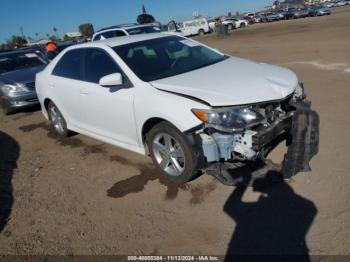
x=65 y=82
x=109 y=111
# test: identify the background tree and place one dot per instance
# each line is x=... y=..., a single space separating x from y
x=4 y=46
x=56 y=31
x=86 y=30
x=237 y=13
x=53 y=38
x=16 y=41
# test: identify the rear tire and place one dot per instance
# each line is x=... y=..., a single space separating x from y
x=172 y=153
x=57 y=120
x=242 y=25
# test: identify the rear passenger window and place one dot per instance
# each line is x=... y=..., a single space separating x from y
x=69 y=65
x=108 y=34
x=98 y=64
x=119 y=33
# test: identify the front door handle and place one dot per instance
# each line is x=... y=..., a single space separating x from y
x=83 y=91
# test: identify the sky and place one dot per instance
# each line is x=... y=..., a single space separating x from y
x=40 y=16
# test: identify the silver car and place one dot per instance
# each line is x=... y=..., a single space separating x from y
x=17 y=79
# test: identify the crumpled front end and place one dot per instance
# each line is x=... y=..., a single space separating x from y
x=291 y=120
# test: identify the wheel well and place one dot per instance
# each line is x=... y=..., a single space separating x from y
x=148 y=125
x=46 y=103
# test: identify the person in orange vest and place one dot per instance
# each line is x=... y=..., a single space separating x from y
x=51 y=49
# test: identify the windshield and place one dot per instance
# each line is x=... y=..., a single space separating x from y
x=166 y=56
x=17 y=61
x=143 y=30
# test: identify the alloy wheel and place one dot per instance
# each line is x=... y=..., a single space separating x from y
x=168 y=154
x=57 y=119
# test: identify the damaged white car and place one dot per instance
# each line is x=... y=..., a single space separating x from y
x=188 y=106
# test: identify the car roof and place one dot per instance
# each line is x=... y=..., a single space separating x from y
x=125 y=26
x=121 y=40
x=17 y=51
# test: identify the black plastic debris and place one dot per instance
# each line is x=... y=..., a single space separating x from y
x=304 y=143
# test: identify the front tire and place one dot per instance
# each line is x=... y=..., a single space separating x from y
x=201 y=32
x=57 y=120
x=172 y=153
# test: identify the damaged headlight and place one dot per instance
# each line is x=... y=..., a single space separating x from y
x=12 y=89
x=229 y=118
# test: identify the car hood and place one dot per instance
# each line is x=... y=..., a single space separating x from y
x=26 y=75
x=234 y=81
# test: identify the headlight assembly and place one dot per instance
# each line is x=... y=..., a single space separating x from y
x=229 y=118
x=12 y=89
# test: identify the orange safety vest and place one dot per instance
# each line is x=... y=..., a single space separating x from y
x=51 y=47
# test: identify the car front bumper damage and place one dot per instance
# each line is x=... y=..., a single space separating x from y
x=224 y=152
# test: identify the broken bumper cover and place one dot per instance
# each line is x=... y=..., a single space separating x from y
x=304 y=143
x=300 y=127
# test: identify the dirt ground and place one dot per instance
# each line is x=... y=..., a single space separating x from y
x=80 y=196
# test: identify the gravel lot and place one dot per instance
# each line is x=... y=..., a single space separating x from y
x=80 y=196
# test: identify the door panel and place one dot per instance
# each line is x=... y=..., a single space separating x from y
x=65 y=82
x=109 y=112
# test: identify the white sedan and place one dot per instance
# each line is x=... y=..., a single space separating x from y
x=233 y=23
x=187 y=105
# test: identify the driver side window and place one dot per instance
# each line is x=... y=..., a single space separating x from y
x=98 y=64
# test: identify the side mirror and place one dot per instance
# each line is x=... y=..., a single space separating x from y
x=111 y=80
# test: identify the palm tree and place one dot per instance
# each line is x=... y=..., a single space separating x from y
x=55 y=30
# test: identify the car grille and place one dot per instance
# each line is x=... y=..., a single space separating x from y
x=30 y=85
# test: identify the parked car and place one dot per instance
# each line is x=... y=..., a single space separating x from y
x=289 y=13
x=233 y=23
x=319 y=11
x=63 y=45
x=281 y=14
x=251 y=15
x=341 y=3
x=270 y=17
x=198 y=26
x=258 y=18
x=125 y=30
x=301 y=13
x=329 y=4
x=250 y=20
x=17 y=79
x=187 y=105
